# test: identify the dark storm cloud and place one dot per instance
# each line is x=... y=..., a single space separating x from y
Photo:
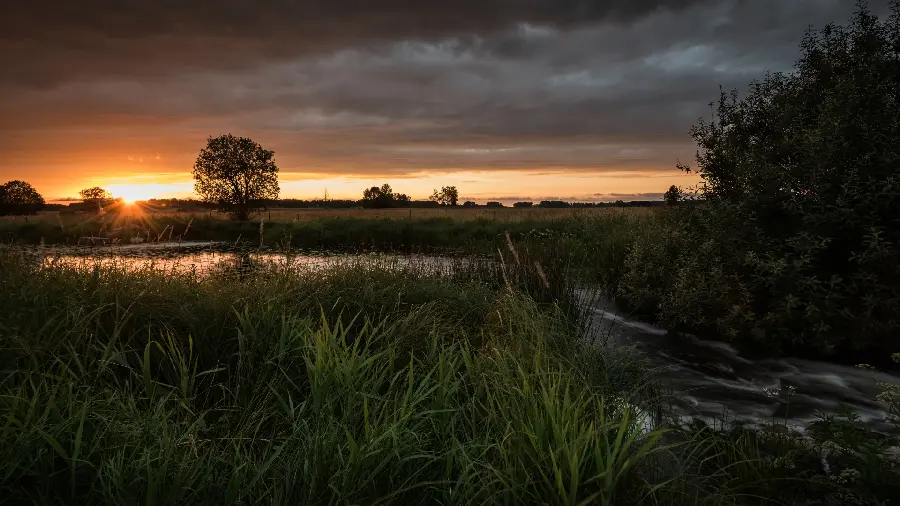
x=45 y=41
x=579 y=85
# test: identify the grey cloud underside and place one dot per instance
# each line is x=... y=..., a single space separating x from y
x=491 y=83
x=45 y=40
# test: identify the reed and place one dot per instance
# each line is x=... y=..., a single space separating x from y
x=356 y=384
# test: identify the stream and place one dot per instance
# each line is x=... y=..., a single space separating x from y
x=711 y=381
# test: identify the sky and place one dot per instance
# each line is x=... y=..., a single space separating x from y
x=506 y=99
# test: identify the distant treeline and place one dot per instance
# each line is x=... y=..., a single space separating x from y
x=190 y=204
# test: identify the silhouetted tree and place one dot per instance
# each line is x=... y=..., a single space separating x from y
x=469 y=203
x=523 y=204
x=379 y=197
x=446 y=196
x=19 y=197
x=236 y=174
x=494 y=203
x=401 y=200
x=95 y=197
x=672 y=196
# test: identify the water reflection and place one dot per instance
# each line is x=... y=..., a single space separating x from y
x=209 y=258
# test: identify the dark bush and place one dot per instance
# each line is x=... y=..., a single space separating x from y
x=794 y=245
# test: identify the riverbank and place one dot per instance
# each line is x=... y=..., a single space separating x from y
x=358 y=385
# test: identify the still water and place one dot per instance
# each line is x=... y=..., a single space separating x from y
x=206 y=257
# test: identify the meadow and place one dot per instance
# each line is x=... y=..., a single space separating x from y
x=362 y=229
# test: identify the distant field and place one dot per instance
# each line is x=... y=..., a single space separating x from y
x=291 y=215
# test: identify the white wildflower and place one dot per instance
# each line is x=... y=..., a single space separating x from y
x=829 y=448
x=846 y=476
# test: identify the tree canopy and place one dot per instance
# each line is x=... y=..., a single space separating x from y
x=446 y=196
x=384 y=197
x=672 y=195
x=236 y=174
x=19 y=197
x=95 y=195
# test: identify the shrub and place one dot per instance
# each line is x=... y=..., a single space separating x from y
x=795 y=241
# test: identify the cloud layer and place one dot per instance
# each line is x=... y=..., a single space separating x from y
x=344 y=87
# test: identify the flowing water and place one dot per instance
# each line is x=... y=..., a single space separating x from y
x=709 y=380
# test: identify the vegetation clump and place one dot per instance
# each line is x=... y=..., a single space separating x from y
x=793 y=242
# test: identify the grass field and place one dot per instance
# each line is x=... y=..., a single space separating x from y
x=70 y=219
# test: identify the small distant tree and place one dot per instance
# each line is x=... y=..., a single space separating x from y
x=379 y=197
x=672 y=196
x=401 y=200
x=469 y=203
x=95 y=197
x=494 y=204
x=523 y=204
x=446 y=196
x=237 y=175
x=19 y=197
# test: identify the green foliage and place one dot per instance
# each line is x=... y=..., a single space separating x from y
x=794 y=245
x=237 y=174
x=19 y=197
x=353 y=386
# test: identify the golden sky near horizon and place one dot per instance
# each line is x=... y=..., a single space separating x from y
x=150 y=164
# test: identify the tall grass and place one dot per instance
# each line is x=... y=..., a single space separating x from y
x=355 y=387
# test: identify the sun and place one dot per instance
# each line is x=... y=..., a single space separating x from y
x=131 y=193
